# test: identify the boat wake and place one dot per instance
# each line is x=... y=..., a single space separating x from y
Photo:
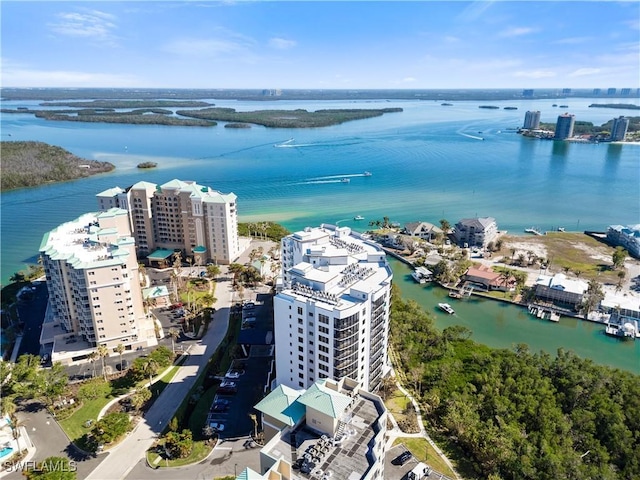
x=318 y=181
x=340 y=177
x=475 y=137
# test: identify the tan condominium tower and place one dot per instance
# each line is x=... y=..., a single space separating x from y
x=179 y=215
x=94 y=286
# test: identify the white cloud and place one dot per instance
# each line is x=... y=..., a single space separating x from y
x=572 y=40
x=517 y=32
x=91 y=24
x=581 y=72
x=204 y=47
x=282 y=43
x=16 y=76
x=535 y=74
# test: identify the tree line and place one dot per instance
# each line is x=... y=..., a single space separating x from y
x=516 y=413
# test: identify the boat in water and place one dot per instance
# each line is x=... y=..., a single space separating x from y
x=455 y=294
x=358 y=217
x=366 y=174
x=626 y=331
x=445 y=307
x=422 y=275
x=345 y=180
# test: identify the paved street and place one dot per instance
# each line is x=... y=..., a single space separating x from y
x=50 y=440
x=127 y=454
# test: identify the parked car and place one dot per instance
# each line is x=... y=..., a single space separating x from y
x=219 y=407
x=403 y=458
x=122 y=366
x=223 y=401
x=175 y=306
x=217 y=426
x=228 y=383
x=228 y=390
x=234 y=374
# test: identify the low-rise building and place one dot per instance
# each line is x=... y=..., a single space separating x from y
x=335 y=429
x=560 y=291
x=424 y=230
x=486 y=278
x=627 y=237
x=475 y=232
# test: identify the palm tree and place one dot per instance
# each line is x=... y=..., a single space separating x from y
x=7 y=405
x=16 y=424
x=142 y=272
x=93 y=356
x=174 y=333
x=103 y=352
x=150 y=366
x=120 y=349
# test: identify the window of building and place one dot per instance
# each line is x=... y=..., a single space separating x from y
x=299 y=310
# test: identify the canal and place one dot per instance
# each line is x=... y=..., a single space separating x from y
x=503 y=325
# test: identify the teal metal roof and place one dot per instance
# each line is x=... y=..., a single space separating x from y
x=200 y=249
x=110 y=192
x=248 y=474
x=324 y=400
x=282 y=404
x=160 y=254
x=155 y=292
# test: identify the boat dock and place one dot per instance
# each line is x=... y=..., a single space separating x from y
x=544 y=312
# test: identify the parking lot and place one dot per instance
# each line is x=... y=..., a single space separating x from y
x=394 y=469
x=252 y=372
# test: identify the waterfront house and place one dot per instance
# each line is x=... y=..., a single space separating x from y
x=484 y=277
x=424 y=230
x=627 y=237
x=561 y=291
x=475 y=232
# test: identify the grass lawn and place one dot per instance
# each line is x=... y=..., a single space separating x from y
x=424 y=452
x=396 y=402
x=575 y=251
x=74 y=425
x=198 y=453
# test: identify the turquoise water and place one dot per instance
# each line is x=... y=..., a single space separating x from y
x=424 y=165
x=502 y=325
x=5 y=451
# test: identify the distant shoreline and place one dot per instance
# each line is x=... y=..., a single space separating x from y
x=53 y=94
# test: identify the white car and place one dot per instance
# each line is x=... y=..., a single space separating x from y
x=227 y=384
x=234 y=374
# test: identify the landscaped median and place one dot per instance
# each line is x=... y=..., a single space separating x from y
x=185 y=441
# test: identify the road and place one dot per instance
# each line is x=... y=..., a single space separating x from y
x=124 y=457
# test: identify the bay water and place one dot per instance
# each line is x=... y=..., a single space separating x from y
x=427 y=162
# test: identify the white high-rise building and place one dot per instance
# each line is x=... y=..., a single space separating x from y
x=94 y=287
x=332 y=314
x=179 y=215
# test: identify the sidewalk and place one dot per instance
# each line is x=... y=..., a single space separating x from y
x=124 y=457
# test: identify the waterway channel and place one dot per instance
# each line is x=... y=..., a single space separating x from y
x=503 y=325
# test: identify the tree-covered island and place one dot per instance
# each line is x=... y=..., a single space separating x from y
x=28 y=164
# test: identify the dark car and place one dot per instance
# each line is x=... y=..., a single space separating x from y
x=403 y=458
x=228 y=390
x=219 y=407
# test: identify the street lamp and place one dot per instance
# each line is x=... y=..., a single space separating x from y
x=235 y=469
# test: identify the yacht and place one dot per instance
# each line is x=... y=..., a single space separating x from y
x=445 y=307
x=358 y=217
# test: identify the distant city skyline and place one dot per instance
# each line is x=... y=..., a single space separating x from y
x=321 y=45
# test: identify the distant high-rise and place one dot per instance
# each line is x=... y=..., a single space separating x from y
x=564 y=126
x=597 y=91
x=619 y=128
x=532 y=120
x=611 y=91
x=566 y=91
x=625 y=91
x=528 y=92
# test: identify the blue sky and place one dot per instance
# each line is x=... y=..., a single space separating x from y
x=325 y=44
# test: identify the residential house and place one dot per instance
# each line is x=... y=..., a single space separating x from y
x=424 y=230
x=560 y=290
x=485 y=277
